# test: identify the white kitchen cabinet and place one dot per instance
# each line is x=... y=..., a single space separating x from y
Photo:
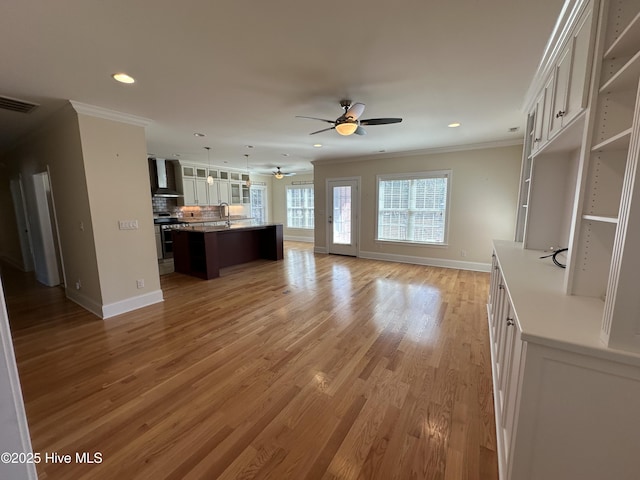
x=224 y=190
x=213 y=192
x=195 y=191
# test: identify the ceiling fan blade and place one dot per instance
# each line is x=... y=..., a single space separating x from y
x=355 y=111
x=290 y=174
x=315 y=118
x=323 y=130
x=360 y=131
x=380 y=121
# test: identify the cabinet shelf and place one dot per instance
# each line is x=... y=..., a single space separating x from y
x=617 y=142
x=626 y=78
x=627 y=42
x=601 y=218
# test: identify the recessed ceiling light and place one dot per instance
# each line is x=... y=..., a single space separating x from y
x=249 y=146
x=123 y=78
x=381 y=151
x=454 y=125
x=514 y=129
x=317 y=145
x=285 y=154
x=198 y=134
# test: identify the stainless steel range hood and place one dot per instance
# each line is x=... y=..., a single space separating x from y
x=162 y=190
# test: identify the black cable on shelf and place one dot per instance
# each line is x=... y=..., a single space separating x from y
x=554 y=255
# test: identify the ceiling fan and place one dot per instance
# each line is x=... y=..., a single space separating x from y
x=349 y=123
x=279 y=174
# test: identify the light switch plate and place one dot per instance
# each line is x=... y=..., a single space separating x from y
x=128 y=224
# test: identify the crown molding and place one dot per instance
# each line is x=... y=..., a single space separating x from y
x=427 y=151
x=93 y=111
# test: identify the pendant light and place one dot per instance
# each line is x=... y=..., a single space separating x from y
x=248 y=182
x=209 y=177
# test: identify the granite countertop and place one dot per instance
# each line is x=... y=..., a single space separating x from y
x=224 y=228
x=211 y=220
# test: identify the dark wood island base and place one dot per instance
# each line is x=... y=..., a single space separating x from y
x=203 y=251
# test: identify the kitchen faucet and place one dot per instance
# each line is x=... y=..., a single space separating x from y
x=228 y=213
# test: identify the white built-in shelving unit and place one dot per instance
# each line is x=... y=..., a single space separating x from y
x=565 y=343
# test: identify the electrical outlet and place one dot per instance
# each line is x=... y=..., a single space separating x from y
x=78 y=284
x=140 y=283
x=463 y=253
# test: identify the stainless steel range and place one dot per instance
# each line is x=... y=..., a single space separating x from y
x=166 y=225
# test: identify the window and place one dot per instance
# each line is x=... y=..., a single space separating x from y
x=413 y=207
x=300 y=206
x=258 y=203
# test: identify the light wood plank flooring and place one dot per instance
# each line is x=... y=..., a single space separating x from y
x=315 y=367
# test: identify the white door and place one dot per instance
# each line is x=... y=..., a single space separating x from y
x=342 y=216
x=45 y=253
x=22 y=221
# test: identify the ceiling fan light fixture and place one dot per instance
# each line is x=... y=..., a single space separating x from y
x=346 y=128
x=123 y=78
x=279 y=176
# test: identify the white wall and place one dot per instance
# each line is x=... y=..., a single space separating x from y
x=117 y=178
x=484 y=190
x=99 y=175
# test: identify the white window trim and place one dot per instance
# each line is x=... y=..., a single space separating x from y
x=286 y=207
x=410 y=176
x=265 y=199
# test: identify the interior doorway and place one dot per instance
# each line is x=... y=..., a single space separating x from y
x=22 y=223
x=343 y=212
x=44 y=233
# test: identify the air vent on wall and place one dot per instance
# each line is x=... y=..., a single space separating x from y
x=16 y=105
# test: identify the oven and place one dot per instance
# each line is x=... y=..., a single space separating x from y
x=167 y=225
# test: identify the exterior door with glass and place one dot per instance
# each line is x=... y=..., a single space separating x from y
x=342 y=217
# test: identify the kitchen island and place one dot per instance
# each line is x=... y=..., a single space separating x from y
x=201 y=251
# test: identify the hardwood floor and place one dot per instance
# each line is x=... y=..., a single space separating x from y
x=316 y=367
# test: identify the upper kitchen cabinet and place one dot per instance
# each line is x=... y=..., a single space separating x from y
x=198 y=192
x=194 y=185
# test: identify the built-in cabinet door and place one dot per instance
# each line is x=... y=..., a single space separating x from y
x=577 y=90
x=512 y=386
x=538 y=114
x=559 y=101
x=224 y=192
x=214 y=192
x=189 y=191
x=201 y=192
x=572 y=76
x=194 y=191
x=236 y=194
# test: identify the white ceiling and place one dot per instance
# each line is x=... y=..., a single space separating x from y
x=240 y=71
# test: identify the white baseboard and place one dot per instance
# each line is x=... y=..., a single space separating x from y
x=133 y=303
x=319 y=249
x=85 y=302
x=298 y=239
x=433 y=262
x=116 y=308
